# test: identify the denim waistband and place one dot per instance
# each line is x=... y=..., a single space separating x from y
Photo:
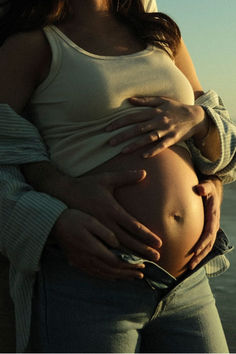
x=155 y=275
x=158 y=277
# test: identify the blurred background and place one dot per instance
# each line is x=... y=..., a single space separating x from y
x=209 y=30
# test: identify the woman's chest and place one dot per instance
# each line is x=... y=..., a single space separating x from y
x=92 y=88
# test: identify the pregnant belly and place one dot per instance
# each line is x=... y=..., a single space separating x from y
x=164 y=201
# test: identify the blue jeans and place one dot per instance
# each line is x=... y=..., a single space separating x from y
x=73 y=312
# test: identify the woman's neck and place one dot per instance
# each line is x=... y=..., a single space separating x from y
x=91 y=24
x=90 y=5
x=88 y=11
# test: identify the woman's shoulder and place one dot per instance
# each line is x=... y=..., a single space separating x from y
x=25 y=41
x=24 y=61
x=29 y=51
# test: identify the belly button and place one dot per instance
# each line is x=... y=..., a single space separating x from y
x=178 y=218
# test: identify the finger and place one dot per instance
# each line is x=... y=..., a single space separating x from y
x=197 y=259
x=118 y=179
x=93 y=246
x=204 y=247
x=132 y=243
x=151 y=101
x=166 y=142
x=84 y=260
x=96 y=267
x=207 y=240
x=204 y=188
x=116 y=272
x=146 y=140
x=126 y=135
x=101 y=231
x=141 y=232
x=210 y=230
x=137 y=130
x=130 y=119
x=93 y=270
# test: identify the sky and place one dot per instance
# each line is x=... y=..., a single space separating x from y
x=209 y=31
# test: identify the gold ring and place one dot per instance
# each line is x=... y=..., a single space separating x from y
x=157 y=134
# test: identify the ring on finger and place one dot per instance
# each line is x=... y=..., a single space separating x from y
x=155 y=135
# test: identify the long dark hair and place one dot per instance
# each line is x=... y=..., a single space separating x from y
x=27 y=15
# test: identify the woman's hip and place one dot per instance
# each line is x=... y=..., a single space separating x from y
x=73 y=312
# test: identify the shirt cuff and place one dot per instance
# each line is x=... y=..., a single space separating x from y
x=28 y=228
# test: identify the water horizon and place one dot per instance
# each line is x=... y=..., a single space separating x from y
x=224 y=286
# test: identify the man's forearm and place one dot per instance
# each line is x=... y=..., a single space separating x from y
x=26 y=220
x=222 y=128
x=44 y=177
x=209 y=144
x=20 y=141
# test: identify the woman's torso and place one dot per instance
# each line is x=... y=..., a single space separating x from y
x=82 y=94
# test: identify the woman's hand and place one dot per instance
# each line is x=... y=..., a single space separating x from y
x=166 y=123
x=211 y=191
x=84 y=239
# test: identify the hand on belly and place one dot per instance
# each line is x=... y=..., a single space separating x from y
x=165 y=202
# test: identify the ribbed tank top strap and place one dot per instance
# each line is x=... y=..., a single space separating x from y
x=56 y=50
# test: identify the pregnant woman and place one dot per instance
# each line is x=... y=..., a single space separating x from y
x=76 y=93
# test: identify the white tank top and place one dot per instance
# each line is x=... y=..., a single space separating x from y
x=85 y=92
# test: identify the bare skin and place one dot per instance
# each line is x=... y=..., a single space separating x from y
x=36 y=70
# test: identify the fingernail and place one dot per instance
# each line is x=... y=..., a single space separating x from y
x=156 y=256
x=197 y=189
x=146 y=155
x=193 y=265
x=141 y=266
x=198 y=251
x=139 y=276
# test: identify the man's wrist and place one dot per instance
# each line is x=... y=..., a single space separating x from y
x=53 y=237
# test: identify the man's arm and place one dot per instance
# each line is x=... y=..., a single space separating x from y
x=26 y=216
x=26 y=219
x=225 y=166
x=215 y=151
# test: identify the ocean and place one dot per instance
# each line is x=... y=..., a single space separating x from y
x=224 y=286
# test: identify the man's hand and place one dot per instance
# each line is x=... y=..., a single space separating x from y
x=84 y=241
x=94 y=195
x=211 y=191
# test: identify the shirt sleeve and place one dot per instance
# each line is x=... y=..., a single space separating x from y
x=26 y=216
x=150 y=5
x=26 y=219
x=20 y=141
x=225 y=166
